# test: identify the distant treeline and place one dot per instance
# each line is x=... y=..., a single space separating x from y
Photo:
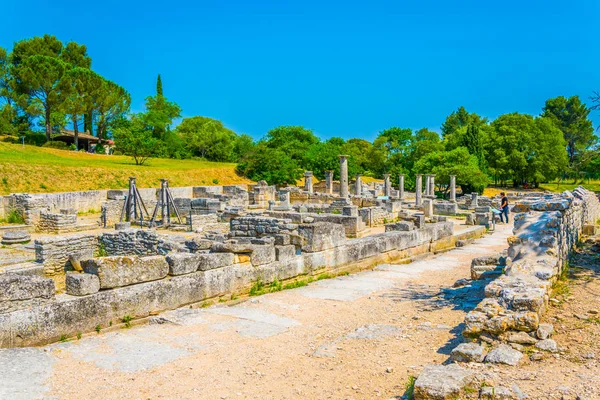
x=46 y=85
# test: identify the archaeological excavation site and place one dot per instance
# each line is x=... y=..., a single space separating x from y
x=335 y=289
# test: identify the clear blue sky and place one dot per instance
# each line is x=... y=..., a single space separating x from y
x=342 y=68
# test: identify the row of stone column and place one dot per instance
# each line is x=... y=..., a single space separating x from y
x=387 y=186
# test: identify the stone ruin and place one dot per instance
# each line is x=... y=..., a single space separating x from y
x=546 y=229
x=229 y=238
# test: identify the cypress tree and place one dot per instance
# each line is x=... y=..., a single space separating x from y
x=159 y=90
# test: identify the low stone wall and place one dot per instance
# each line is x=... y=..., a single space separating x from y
x=56 y=223
x=130 y=241
x=54 y=252
x=257 y=226
x=230 y=267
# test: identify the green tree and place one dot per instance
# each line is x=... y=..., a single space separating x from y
x=292 y=140
x=136 y=139
x=243 y=145
x=272 y=165
x=474 y=143
x=455 y=162
x=571 y=116
x=323 y=156
x=458 y=119
x=207 y=138
x=112 y=102
x=160 y=112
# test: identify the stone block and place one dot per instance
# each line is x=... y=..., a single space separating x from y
x=443 y=382
x=468 y=352
x=504 y=354
x=118 y=271
x=496 y=393
x=182 y=263
x=321 y=236
x=20 y=287
x=209 y=261
x=544 y=331
x=263 y=254
x=76 y=258
x=15 y=237
x=121 y=226
x=285 y=253
x=400 y=226
x=79 y=284
x=197 y=244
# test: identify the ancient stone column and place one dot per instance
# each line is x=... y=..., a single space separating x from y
x=308 y=183
x=401 y=187
x=418 y=188
x=427 y=185
x=432 y=185
x=428 y=207
x=358 y=186
x=387 y=187
x=474 y=199
x=453 y=188
x=343 y=176
x=329 y=182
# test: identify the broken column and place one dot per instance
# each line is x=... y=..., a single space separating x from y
x=418 y=188
x=358 y=186
x=329 y=182
x=401 y=187
x=308 y=183
x=432 y=185
x=343 y=176
x=474 y=199
x=387 y=187
x=453 y=188
x=428 y=207
x=427 y=179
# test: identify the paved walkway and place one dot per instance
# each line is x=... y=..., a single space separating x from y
x=352 y=337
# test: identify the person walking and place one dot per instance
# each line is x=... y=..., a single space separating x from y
x=503 y=207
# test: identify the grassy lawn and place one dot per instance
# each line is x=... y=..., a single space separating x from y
x=34 y=169
x=593 y=185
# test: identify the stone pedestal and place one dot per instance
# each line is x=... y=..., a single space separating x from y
x=343 y=176
x=418 y=188
x=401 y=187
x=308 y=183
x=453 y=188
x=428 y=207
x=358 y=186
x=329 y=182
x=474 y=200
x=387 y=187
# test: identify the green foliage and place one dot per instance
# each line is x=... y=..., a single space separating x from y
x=458 y=119
x=271 y=165
x=208 y=138
x=455 y=162
x=101 y=252
x=79 y=334
x=410 y=388
x=64 y=338
x=56 y=145
x=127 y=321
x=136 y=140
x=160 y=112
x=98 y=328
x=15 y=217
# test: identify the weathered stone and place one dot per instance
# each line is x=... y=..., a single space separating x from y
x=120 y=271
x=504 y=354
x=520 y=338
x=15 y=237
x=468 y=352
x=285 y=253
x=79 y=284
x=210 y=261
x=76 y=258
x=321 y=236
x=121 y=226
x=182 y=263
x=18 y=287
x=443 y=382
x=547 y=345
x=263 y=254
x=197 y=244
x=544 y=331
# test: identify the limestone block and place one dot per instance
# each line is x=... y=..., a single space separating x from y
x=19 y=287
x=118 y=271
x=496 y=393
x=121 y=226
x=443 y=382
x=263 y=254
x=182 y=263
x=197 y=244
x=15 y=237
x=520 y=338
x=285 y=253
x=79 y=284
x=76 y=258
x=468 y=352
x=321 y=236
x=544 y=331
x=547 y=345
x=504 y=354
x=400 y=226
x=209 y=261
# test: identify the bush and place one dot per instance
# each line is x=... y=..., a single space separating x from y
x=56 y=145
x=117 y=153
x=15 y=217
x=100 y=149
x=72 y=147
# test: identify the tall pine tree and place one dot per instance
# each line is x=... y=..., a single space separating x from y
x=159 y=91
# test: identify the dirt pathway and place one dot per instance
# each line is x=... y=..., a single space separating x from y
x=352 y=337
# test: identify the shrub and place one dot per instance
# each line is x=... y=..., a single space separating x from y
x=15 y=217
x=72 y=147
x=56 y=145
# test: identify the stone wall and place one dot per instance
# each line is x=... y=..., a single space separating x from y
x=53 y=253
x=258 y=226
x=130 y=241
x=229 y=267
x=56 y=223
x=112 y=210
